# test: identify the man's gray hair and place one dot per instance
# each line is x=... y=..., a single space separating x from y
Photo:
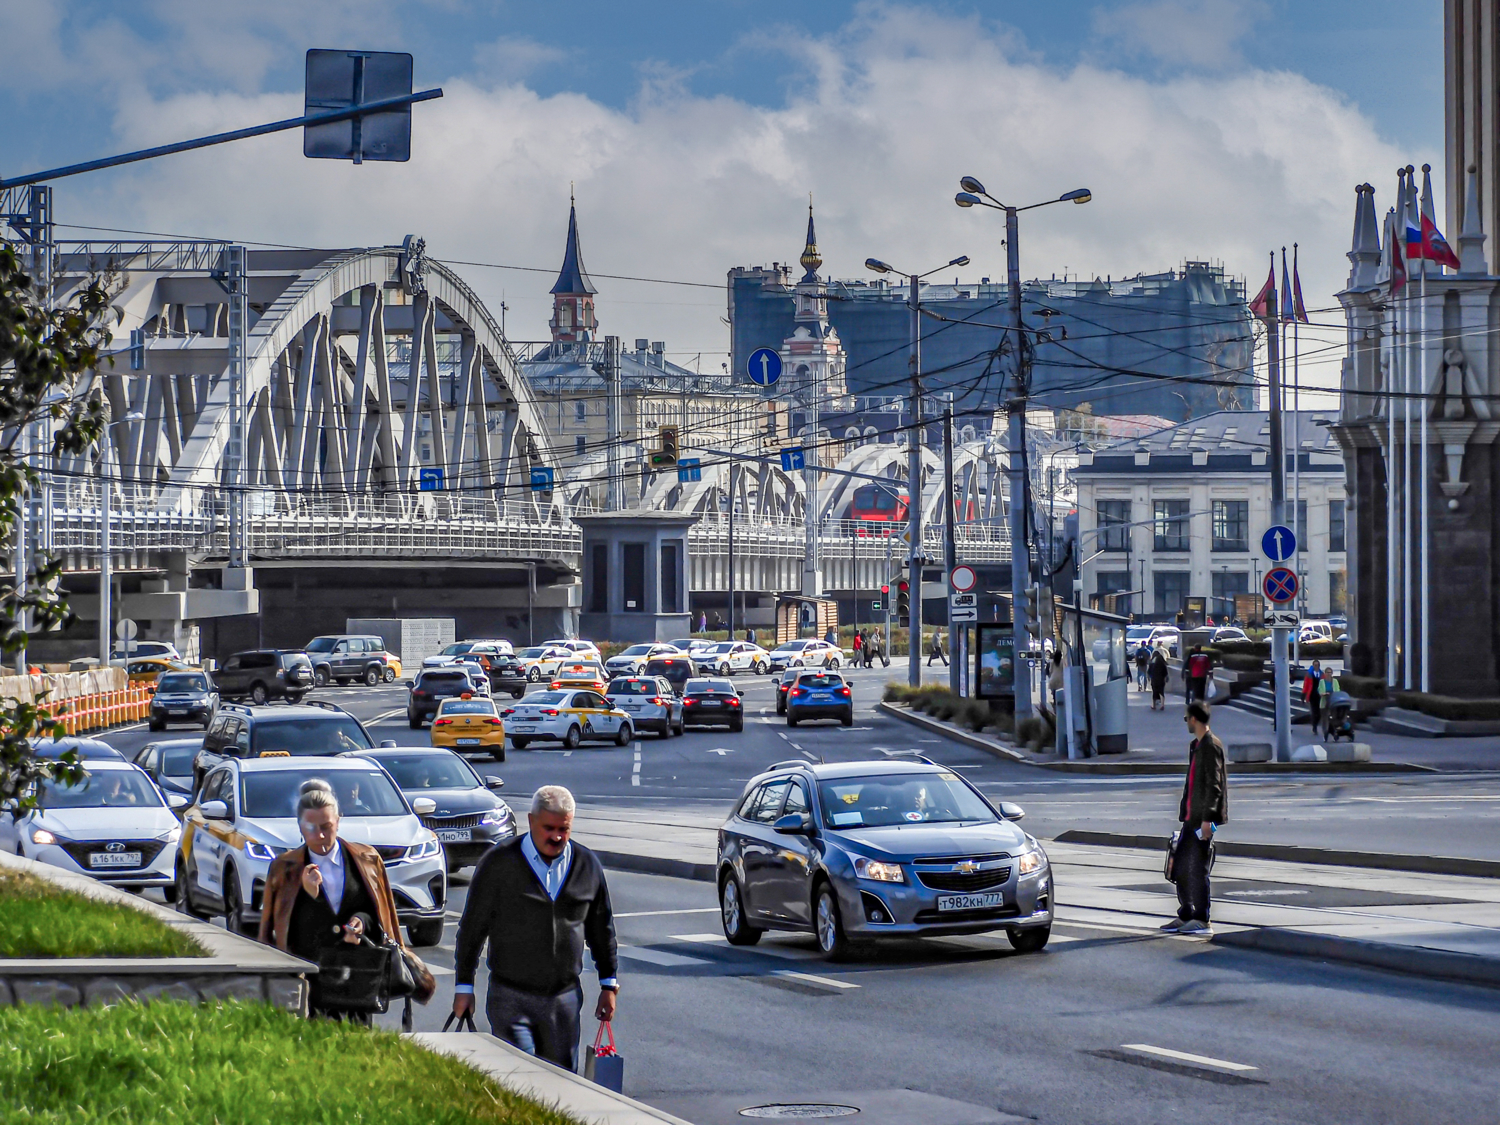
x=316 y=793
x=553 y=799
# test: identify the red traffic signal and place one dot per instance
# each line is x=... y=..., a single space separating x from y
x=885 y=589
x=903 y=585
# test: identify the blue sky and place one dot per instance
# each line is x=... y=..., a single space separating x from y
x=1207 y=128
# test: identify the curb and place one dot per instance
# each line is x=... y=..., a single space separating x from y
x=1292 y=853
x=658 y=865
x=1410 y=960
x=968 y=738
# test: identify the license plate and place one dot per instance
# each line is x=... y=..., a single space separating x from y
x=709 y=703
x=991 y=900
x=178 y=711
x=631 y=706
x=115 y=859
x=467 y=741
x=454 y=835
x=528 y=728
x=823 y=697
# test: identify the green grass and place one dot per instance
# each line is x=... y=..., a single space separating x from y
x=250 y=1064
x=40 y=919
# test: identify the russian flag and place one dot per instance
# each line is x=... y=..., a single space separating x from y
x=1435 y=247
x=1414 y=247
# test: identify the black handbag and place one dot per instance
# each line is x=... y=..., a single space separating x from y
x=354 y=977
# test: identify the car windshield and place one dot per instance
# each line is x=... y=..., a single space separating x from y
x=466 y=707
x=791 y=646
x=531 y=653
x=453 y=681
x=548 y=696
x=633 y=687
x=321 y=644
x=820 y=680
x=86 y=748
x=925 y=798
x=312 y=735
x=177 y=681
x=428 y=771
x=637 y=650
x=360 y=792
x=723 y=646
x=107 y=789
x=696 y=687
x=177 y=761
x=1137 y=632
x=458 y=649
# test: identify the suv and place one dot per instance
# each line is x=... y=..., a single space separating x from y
x=312 y=729
x=431 y=687
x=343 y=659
x=262 y=675
x=676 y=670
x=182 y=697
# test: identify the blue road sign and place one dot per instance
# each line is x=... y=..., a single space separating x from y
x=1280 y=585
x=429 y=480
x=689 y=470
x=764 y=367
x=541 y=479
x=793 y=460
x=1278 y=543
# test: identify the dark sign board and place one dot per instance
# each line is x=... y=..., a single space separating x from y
x=994 y=661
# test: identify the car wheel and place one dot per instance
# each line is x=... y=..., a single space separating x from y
x=681 y=727
x=234 y=907
x=185 y=895
x=169 y=893
x=1029 y=941
x=292 y=697
x=848 y=720
x=737 y=725
x=156 y=724
x=372 y=677
x=414 y=721
x=518 y=694
x=533 y=674
x=791 y=722
x=572 y=738
x=732 y=913
x=426 y=933
x=724 y=669
x=388 y=675
x=518 y=743
x=760 y=667
x=622 y=738
x=320 y=677
x=258 y=694
x=830 y=924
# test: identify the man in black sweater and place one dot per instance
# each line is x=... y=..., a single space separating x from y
x=1203 y=807
x=538 y=899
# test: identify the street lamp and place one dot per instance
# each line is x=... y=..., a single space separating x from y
x=106 y=483
x=914 y=460
x=974 y=195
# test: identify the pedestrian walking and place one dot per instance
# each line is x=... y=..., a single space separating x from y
x=1199 y=665
x=750 y=635
x=1157 y=670
x=938 y=651
x=329 y=891
x=1310 y=694
x=1326 y=687
x=1142 y=660
x=859 y=645
x=1203 y=808
x=538 y=899
x=702 y=621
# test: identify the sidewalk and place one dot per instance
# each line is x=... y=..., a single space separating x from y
x=1440 y=926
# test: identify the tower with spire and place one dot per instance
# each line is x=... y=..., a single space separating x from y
x=812 y=358
x=573 y=293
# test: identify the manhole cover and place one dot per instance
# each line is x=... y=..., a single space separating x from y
x=799 y=1111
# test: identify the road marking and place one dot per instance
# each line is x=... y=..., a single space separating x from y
x=1183 y=1056
x=826 y=982
x=784 y=735
x=384 y=715
x=660 y=957
x=785 y=953
x=794 y=745
x=702 y=939
x=720 y=751
x=660 y=913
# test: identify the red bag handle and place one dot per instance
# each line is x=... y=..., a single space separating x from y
x=607 y=1049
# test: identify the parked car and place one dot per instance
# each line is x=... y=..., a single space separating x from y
x=541 y=661
x=862 y=850
x=633 y=659
x=820 y=695
x=87 y=749
x=262 y=675
x=1313 y=631
x=169 y=763
x=649 y=701
x=805 y=654
x=469 y=722
x=507 y=674
x=713 y=702
x=305 y=730
x=147 y=670
x=464 y=648
x=345 y=658
x=580 y=674
x=729 y=657
x=1228 y=633
x=183 y=697
x=1150 y=636
x=569 y=717
x=246 y=815
x=431 y=687
x=469 y=818
x=676 y=670
x=581 y=650
x=138 y=649
x=114 y=825
x=692 y=645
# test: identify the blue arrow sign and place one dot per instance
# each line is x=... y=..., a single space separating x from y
x=541 y=479
x=793 y=459
x=764 y=367
x=1278 y=543
x=689 y=469
x=1280 y=585
x=429 y=480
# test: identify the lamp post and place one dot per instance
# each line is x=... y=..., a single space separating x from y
x=974 y=195
x=914 y=455
x=106 y=484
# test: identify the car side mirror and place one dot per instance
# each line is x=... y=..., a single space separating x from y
x=424 y=806
x=389 y=744
x=410 y=683
x=741 y=692
x=214 y=810
x=493 y=782
x=794 y=824
x=1010 y=811
x=176 y=802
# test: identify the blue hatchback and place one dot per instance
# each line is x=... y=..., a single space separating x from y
x=819 y=695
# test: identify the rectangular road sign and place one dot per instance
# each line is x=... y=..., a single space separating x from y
x=963 y=601
x=1283 y=619
x=959 y=615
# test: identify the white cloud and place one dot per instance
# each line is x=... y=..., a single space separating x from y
x=1177 y=33
x=900 y=104
x=513 y=57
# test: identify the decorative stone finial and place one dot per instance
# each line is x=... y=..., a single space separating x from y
x=1471 y=240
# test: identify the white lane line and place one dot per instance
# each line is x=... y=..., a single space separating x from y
x=794 y=745
x=826 y=982
x=660 y=913
x=784 y=735
x=785 y=953
x=661 y=957
x=1183 y=1056
x=384 y=715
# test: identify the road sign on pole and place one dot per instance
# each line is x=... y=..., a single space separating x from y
x=1283 y=619
x=1280 y=585
x=1278 y=543
x=793 y=460
x=541 y=478
x=963 y=579
x=429 y=480
x=764 y=367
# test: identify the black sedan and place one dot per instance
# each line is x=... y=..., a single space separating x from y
x=469 y=818
x=712 y=702
x=170 y=763
x=506 y=674
x=183 y=697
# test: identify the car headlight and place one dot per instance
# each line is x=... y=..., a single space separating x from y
x=425 y=850
x=171 y=835
x=42 y=836
x=1033 y=859
x=496 y=816
x=259 y=851
x=878 y=870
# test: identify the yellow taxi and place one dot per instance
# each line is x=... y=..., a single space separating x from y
x=147 y=669
x=469 y=722
x=579 y=675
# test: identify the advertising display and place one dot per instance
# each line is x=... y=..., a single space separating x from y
x=994 y=662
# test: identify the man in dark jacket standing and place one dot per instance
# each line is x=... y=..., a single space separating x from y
x=538 y=900
x=1204 y=806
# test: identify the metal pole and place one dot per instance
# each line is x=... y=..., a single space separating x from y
x=1406 y=513
x=950 y=550
x=105 y=609
x=886 y=602
x=1391 y=555
x=23 y=519
x=1426 y=482
x=1020 y=557
x=237 y=279
x=612 y=422
x=1281 y=681
x=731 y=548
x=914 y=488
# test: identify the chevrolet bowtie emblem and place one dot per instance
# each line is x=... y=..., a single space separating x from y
x=967 y=867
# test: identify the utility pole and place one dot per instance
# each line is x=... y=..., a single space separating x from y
x=612 y=422
x=1280 y=681
x=236 y=281
x=950 y=552
x=914 y=487
x=106 y=609
x=731 y=548
x=1020 y=556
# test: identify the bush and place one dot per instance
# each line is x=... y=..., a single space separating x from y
x=1037 y=734
x=1448 y=707
x=1362 y=687
x=1242 y=662
x=40 y=919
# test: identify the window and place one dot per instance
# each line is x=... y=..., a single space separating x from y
x=1301 y=528
x=580 y=412
x=1335 y=525
x=1114 y=582
x=1226 y=585
x=796 y=800
x=1231 y=525
x=766 y=805
x=599 y=578
x=1171 y=530
x=1171 y=590
x=1338 y=588
x=1114 y=515
x=580 y=445
x=670 y=554
x=633 y=559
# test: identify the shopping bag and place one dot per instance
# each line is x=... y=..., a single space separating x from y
x=1166 y=869
x=602 y=1063
x=466 y=1018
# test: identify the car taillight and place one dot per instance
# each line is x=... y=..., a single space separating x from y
x=843 y=691
x=508 y=711
x=442 y=722
x=689 y=702
x=658 y=700
x=733 y=702
x=418 y=693
x=494 y=722
x=551 y=712
x=555 y=685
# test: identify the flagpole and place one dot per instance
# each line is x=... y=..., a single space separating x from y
x=1302 y=524
x=1391 y=523
x=1422 y=405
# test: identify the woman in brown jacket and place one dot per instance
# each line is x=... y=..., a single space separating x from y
x=327 y=891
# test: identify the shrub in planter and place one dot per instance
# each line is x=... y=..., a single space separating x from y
x=1242 y=662
x=1321 y=650
x=1362 y=687
x=1261 y=649
x=1449 y=707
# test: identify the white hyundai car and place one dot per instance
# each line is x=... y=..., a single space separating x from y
x=581 y=650
x=805 y=654
x=114 y=825
x=633 y=659
x=246 y=815
x=728 y=657
x=566 y=716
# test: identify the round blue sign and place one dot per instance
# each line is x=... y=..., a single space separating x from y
x=764 y=367
x=1278 y=543
x=1280 y=585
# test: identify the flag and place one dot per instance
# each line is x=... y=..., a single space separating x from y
x=1299 y=310
x=1398 y=267
x=1435 y=247
x=1261 y=306
x=1288 y=313
x=1413 y=225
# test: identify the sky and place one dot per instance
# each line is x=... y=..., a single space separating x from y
x=693 y=133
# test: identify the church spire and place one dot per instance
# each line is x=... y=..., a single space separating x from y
x=573 y=293
x=810 y=259
x=573 y=279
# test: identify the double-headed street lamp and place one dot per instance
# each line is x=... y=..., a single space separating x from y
x=914 y=457
x=974 y=195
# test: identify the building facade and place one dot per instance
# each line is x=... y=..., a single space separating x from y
x=1180 y=513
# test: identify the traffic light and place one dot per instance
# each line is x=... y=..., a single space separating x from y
x=1034 y=623
x=666 y=455
x=903 y=603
